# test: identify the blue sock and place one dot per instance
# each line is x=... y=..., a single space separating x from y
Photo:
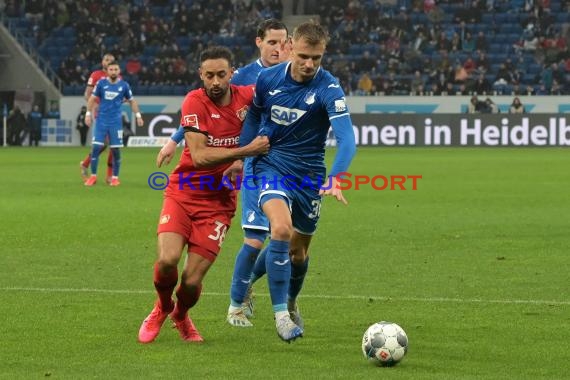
x=259 y=267
x=95 y=152
x=116 y=161
x=297 y=277
x=278 y=273
x=242 y=272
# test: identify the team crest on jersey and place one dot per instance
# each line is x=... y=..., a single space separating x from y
x=164 y=219
x=242 y=112
x=309 y=98
x=191 y=121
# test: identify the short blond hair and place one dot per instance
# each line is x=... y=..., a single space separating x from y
x=312 y=33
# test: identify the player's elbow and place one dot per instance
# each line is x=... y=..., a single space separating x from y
x=199 y=160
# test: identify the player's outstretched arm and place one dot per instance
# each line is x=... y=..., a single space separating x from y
x=168 y=151
x=204 y=155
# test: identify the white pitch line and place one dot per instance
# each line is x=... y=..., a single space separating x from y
x=316 y=296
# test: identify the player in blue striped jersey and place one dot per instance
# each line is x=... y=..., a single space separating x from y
x=295 y=103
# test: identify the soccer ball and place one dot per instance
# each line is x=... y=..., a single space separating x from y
x=384 y=343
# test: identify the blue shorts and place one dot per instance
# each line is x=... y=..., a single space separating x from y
x=301 y=194
x=251 y=215
x=115 y=133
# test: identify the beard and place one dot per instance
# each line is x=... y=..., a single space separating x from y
x=216 y=93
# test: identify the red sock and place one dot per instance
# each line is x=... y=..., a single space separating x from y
x=87 y=161
x=164 y=283
x=185 y=300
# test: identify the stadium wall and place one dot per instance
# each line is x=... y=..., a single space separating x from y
x=398 y=121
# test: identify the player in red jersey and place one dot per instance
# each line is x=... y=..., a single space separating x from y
x=91 y=82
x=199 y=201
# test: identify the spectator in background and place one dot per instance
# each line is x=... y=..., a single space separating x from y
x=35 y=125
x=516 y=106
x=475 y=105
x=53 y=112
x=491 y=107
x=482 y=86
x=364 y=85
x=81 y=126
x=16 y=125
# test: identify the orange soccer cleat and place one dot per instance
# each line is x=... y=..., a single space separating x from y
x=114 y=182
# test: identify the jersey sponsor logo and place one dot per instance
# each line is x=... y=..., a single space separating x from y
x=310 y=98
x=226 y=141
x=215 y=116
x=110 y=95
x=334 y=85
x=164 y=219
x=340 y=105
x=242 y=112
x=274 y=92
x=285 y=116
x=191 y=121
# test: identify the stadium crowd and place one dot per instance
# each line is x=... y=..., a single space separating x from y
x=378 y=47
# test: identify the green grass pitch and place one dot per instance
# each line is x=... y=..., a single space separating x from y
x=473 y=265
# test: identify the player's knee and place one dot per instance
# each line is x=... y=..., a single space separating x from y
x=298 y=256
x=167 y=260
x=190 y=284
x=281 y=231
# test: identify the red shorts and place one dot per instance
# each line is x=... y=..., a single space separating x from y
x=204 y=223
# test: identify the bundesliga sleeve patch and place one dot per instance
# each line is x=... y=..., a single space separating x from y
x=339 y=105
x=190 y=121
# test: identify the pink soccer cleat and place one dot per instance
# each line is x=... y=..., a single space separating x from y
x=114 y=182
x=150 y=327
x=91 y=181
x=187 y=330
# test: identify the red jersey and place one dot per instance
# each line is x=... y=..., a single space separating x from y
x=222 y=125
x=95 y=76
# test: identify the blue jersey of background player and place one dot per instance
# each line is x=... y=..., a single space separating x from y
x=295 y=103
x=111 y=95
x=111 y=92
